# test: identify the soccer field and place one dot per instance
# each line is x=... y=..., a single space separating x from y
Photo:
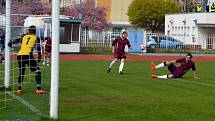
x=88 y=93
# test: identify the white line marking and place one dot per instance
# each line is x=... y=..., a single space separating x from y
x=27 y=104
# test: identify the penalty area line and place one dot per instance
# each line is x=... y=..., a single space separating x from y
x=27 y=104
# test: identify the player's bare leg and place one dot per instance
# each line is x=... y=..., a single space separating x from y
x=47 y=59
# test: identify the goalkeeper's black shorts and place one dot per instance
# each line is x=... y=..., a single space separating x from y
x=28 y=60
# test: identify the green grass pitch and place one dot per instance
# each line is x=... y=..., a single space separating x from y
x=88 y=93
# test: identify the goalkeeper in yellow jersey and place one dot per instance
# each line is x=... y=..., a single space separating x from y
x=25 y=57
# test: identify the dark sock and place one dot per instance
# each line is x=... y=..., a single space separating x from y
x=38 y=80
x=20 y=80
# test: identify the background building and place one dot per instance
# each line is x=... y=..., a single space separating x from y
x=107 y=5
x=116 y=12
x=193 y=29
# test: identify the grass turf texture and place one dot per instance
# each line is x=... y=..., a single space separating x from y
x=88 y=93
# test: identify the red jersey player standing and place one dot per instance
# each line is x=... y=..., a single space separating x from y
x=47 y=50
x=177 y=72
x=119 y=51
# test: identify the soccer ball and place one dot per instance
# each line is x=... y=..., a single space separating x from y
x=142 y=47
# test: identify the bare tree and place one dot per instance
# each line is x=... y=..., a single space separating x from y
x=188 y=5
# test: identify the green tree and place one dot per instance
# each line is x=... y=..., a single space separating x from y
x=150 y=14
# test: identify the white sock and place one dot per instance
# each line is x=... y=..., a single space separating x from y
x=163 y=77
x=44 y=62
x=111 y=64
x=47 y=61
x=161 y=65
x=121 y=66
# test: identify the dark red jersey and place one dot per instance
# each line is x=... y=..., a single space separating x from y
x=119 y=44
x=185 y=65
x=48 y=44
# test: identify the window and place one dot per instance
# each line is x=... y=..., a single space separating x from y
x=75 y=33
x=69 y=33
x=62 y=36
x=194 y=39
x=168 y=32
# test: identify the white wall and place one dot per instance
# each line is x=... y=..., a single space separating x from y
x=70 y=48
x=186 y=27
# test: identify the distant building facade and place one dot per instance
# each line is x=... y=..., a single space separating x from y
x=192 y=28
x=116 y=11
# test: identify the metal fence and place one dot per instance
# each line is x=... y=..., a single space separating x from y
x=98 y=38
x=208 y=41
x=156 y=40
x=153 y=40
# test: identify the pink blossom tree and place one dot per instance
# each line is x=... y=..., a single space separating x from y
x=93 y=17
x=21 y=10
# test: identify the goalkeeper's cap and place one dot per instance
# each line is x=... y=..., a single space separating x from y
x=189 y=54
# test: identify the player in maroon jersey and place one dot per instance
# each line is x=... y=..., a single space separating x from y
x=177 y=71
x=119 y=51
x=2 y=45
x=47 y=50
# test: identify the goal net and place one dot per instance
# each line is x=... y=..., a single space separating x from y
x=26 y=83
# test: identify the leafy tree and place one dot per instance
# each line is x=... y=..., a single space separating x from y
x=150 y=14
x=93 y=17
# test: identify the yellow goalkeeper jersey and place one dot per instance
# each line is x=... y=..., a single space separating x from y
x=28 y=43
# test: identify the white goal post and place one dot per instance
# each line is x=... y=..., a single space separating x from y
x=55 y=59
x=55 y=54
x=7 y=48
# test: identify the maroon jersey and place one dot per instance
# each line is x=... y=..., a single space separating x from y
x=119 y=43
x=185 y=65
x=48 y=44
